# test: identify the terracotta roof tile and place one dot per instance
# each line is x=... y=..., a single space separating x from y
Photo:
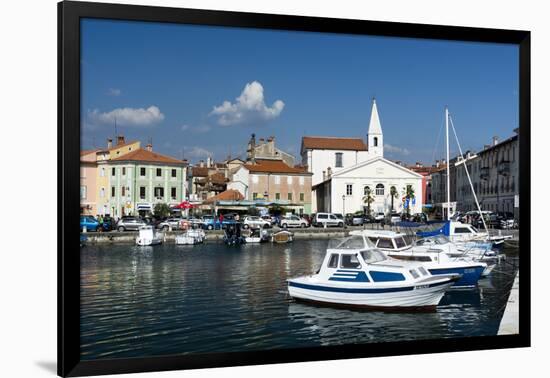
x=273 y=166
x=333 y=143
x=228 y=195
x=199 y=172
x=147 y=156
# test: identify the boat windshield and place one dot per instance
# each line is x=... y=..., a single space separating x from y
x=431 y=240
x=351 y=242
x=373 y=255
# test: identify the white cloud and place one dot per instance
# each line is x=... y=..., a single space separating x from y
x=249 y=107
x=396 y=150
x=184 y=127
x=127 y=116
x=114 y=92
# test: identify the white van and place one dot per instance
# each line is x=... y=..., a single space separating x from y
x=328 y=219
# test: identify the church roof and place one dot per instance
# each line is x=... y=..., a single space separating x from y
x=333 y=143
x=374 y=126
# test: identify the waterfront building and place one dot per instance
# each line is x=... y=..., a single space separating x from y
x=274 y=181
x=346 y=190
x=494 y=172
x=349 y=165
x=207 y=179
x=426 y=173
x=136 y=180
x=88 y=182
x=495 y=176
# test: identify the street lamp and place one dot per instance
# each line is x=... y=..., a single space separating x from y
x=343 y=204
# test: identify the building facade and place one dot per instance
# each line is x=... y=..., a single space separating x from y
x=346 y=190
x=494 y=172
x=88 y=182
x=134 y=182
x=273 y=181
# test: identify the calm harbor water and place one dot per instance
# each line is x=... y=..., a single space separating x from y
x=146 y=301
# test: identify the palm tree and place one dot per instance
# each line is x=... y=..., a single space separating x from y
x=408 y=192
x=368 y=198
x=393 y=194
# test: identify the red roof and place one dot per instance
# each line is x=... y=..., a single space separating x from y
x=273 y=166
x=333 y=143
x=200 y=172
x=147 y=156
x=228 y=195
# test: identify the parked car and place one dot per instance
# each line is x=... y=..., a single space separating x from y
x=108 y=224
x=307 y=218
x=378 y=217
x=328 y=219
x=293 y=221
x=209 y=222
x=255 y=222
x=355 y=219
x=130 y=224
x=174 y=223
x=89 y=222
x=394 y=218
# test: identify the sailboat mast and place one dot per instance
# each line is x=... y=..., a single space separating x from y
x=448 y=164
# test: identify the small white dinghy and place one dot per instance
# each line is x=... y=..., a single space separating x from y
x=191 y=237
x=257 y=235
x=356 y=274
x=282 y=236
x=148 y=236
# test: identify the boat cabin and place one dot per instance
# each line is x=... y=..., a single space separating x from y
x=356 y=259
x=387 y=240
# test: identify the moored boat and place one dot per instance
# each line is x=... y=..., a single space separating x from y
x=282 y=236
x=257 y=235
x=190 y=237
x=432 y=257
x=355 y=273
x=148 y=236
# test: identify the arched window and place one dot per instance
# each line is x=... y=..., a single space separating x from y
x=366 y=190
x=375 y=141
x=379 y=190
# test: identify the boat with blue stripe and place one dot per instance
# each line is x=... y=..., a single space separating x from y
x=434 y=257
x=354 y=273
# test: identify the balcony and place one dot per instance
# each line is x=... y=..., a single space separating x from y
x=484 y=173
x=504 y=168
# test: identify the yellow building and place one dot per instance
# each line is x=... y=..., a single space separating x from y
x=121 y=148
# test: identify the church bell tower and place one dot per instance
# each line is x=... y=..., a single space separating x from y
x=375 y=138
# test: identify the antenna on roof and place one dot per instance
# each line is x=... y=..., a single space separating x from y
x=116 y=133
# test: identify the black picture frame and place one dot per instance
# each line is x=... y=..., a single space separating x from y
x=69 y=15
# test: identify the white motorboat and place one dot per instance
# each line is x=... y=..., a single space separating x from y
x=148 y=236
x=257 y=235
x=190 y=237
x=466 y=235
x=355 y=273
x=434 y=258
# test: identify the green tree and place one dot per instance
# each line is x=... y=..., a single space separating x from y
x=161 y=210
x=408 y=193
x=368 y=198
x=393 y=194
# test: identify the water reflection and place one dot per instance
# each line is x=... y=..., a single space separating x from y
x=169 y=299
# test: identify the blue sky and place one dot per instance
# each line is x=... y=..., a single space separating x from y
x=180 y=84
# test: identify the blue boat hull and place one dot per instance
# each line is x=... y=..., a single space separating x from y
x=470 y=275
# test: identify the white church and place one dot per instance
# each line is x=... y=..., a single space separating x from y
x=343 y=169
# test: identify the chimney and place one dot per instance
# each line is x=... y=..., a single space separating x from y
x=271 y=144
x=495 y=140
x=109 y=143
x=437 y=163
x=149 y=147
x=329 y=172
x=262 y=140
x=324 y=175
x=208 y=161
x=201 y=163
x=418 y=164
x=119 y=140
